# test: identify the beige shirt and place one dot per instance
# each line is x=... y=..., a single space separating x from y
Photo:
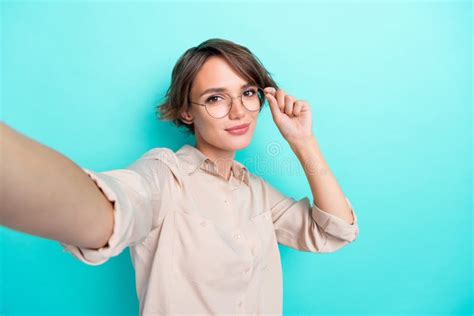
x=203 y=244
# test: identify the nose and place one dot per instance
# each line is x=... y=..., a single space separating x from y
x=237 y=110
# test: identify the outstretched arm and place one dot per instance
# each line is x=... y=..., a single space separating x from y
x=44 y=193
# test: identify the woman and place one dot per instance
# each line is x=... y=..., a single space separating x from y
x=203 y=231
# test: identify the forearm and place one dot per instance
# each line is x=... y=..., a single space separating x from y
x=326 y=191
x=46 y=194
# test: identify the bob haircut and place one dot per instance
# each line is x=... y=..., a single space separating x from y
x=240 y=59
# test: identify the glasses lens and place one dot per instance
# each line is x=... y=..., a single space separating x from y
x=218 y=105
x=253 y=99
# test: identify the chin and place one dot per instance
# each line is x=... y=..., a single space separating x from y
x=231 y=142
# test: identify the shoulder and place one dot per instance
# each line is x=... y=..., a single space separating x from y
x=265 y=187
x=257 y=182
x=161 y=163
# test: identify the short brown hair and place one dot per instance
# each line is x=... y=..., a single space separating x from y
x=239 y=57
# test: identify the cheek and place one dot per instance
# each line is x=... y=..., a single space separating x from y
x=208 y=125
x=254 y=119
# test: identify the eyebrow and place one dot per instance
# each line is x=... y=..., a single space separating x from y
x=223 y=89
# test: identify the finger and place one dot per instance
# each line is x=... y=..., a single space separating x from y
x=273 y=106
x=305 y=106
x=270 y=90
x=280 y=96
x=297 y=108
x=289 y=100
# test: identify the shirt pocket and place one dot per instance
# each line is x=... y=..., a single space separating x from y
x=263 y=225
x=204 y=252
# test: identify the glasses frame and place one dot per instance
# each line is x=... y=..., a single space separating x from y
x=232 y=103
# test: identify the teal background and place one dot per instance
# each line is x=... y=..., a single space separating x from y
x=390 y=86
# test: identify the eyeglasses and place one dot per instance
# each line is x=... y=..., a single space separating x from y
x=219 y=105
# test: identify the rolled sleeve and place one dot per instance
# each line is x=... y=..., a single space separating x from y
x=131 y=195
x=336 y=226
x=306 y=227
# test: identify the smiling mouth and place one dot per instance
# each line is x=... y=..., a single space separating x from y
x=238 y=127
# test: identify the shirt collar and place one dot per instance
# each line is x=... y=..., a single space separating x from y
x=193 y=159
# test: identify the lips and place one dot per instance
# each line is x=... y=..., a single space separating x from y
x=237 y=127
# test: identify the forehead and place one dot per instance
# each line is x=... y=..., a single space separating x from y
x=216 y=72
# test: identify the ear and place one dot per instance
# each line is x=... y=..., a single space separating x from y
x=186 y=116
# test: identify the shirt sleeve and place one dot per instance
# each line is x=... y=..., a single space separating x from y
x=131 y=190
x=304 y=226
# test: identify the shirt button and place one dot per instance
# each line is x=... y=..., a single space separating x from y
x=237 y=236
x=247 y=270
x=203 y=224
x=240 y=303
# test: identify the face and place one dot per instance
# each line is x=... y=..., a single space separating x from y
x=211 y=132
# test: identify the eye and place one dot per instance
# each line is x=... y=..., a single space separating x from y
x=212 y=99
x=252 y=91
